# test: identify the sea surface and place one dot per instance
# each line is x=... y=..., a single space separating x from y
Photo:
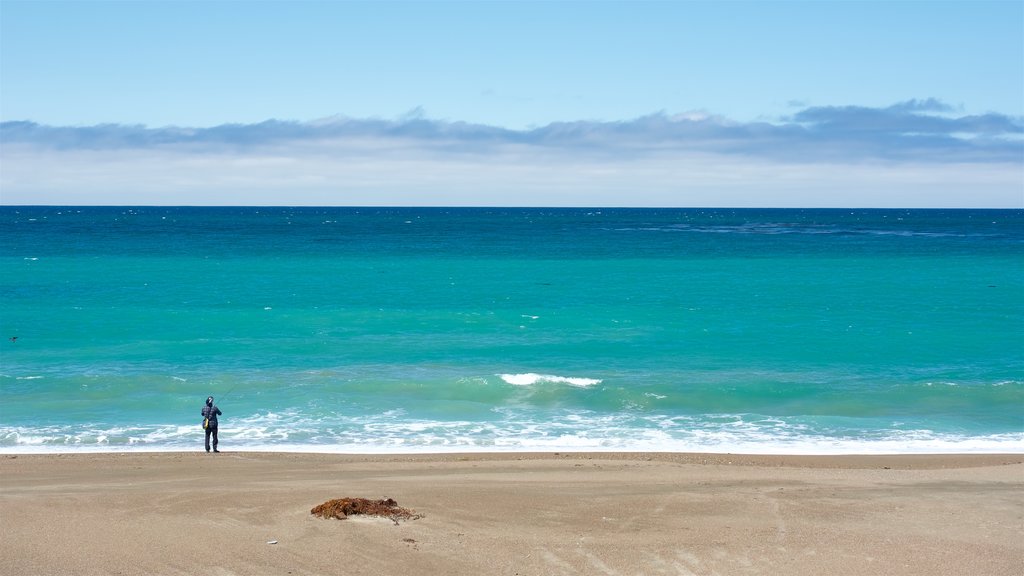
x=411 y=330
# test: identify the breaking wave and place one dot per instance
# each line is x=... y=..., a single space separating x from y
x=530 y=379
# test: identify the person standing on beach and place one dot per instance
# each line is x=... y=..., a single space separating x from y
x=210 y=413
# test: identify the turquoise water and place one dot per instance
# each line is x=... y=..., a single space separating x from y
x=426 y=330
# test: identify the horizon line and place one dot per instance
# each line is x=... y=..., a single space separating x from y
x=506 y=207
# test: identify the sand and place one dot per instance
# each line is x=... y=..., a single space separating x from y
x=513 y=514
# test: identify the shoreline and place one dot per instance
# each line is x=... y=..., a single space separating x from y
x=544 y=513
x=909 y=461
x=1014 y=446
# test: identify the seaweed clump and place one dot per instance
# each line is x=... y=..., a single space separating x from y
x=342 y=508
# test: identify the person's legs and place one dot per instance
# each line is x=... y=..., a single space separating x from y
x=209 y=430
x=215 y=439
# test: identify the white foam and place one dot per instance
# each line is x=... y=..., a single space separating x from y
x=530 y=379
x=511 y=429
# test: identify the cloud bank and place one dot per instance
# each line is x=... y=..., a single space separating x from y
x=914 y=153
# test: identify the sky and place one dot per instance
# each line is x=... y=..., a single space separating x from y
x=835 y=104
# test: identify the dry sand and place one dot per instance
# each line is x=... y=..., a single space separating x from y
x=525 y=514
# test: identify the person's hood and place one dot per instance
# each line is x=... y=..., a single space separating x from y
x=209 y=400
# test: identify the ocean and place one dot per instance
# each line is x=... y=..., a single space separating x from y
x=414 y=330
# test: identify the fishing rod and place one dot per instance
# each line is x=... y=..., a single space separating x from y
x=232 y=389
x=225 y=395
x=210 y=414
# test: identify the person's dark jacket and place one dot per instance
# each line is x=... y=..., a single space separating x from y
x=211 y=412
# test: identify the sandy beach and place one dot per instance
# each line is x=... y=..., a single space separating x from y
x=513 y=514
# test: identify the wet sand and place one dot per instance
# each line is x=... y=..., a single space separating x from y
x=513 y=514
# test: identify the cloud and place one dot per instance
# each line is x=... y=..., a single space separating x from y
x=906 y=130
x=914 y=153
x=904 y=122
x=517 y=177
x=926 y=105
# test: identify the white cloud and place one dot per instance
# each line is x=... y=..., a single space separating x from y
x=516 y=176
x=847 y=157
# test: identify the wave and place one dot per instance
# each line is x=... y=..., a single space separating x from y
x=530 y=379
x=517 y=430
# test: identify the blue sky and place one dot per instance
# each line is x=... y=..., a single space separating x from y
x=513 y=103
